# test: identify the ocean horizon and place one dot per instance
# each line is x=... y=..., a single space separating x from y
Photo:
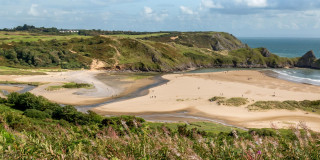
x=285 y=46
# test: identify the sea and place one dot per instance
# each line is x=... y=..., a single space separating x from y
x=284 y=47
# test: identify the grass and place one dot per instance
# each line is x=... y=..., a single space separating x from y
x=70 y=85
x=27 y=83
x=234 y=101
x=139 y=36
x=77 y=85
x=53 y=88
x=16 y=71
x=306 y=105
x=7 y=37
x=208 y=127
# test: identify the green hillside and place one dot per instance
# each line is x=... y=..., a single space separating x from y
x=161 y=52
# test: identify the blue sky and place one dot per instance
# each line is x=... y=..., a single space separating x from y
x=244 y=18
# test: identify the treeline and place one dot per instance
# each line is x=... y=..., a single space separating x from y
x=94 y=32
x=56 y=31
x=33 y=29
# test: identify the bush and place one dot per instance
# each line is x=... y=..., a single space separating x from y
x=33 y=113
x=263 y=132
x=30 y=101
x=76 y=85
x=70 y=114
x=235 y=101
x=2 y=100
x=215 y=98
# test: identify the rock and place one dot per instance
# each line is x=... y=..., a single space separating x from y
x=316 y=64
x=217 y=46
x=265 y=52
x=306 y=60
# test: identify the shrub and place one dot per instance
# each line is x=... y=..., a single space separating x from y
x=33 y=113
x=235 y=101
x=216 y=98
x=76 y=85
x=30 y=101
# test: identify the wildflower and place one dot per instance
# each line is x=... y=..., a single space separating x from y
x=259 y=152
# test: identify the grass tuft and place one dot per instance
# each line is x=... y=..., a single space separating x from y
x=235 y=101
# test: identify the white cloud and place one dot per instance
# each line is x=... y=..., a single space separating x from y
x=253 y=3
x=210 y=4
x=33 y=10
x=186 y=10
x=149 y=13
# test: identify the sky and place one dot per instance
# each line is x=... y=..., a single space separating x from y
x=242 y=18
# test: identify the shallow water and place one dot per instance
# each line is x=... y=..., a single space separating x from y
x=25 y=88
x=299 y=75
x=140 y=92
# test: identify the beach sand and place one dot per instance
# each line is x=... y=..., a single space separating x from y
x=190 y=93
x=101 y=92
x=10 y=88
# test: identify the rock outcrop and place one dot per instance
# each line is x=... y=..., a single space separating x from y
x=307 y=60
x=265 y=52
x=316 y=64
x=217 y=47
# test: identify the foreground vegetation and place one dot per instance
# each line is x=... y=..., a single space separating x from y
x=31 y=127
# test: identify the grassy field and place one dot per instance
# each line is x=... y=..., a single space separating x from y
x=8 y=37
x=18 y=71
x=28 y=83
x=138 y=36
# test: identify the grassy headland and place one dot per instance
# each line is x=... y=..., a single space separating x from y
x=160 y=52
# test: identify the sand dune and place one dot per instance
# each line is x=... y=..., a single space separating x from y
x=185 y=91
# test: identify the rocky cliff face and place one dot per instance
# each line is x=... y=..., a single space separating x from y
x=265 y=52
x=316 y=64
x=307 y=60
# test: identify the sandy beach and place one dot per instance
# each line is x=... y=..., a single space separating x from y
x=190 y=93
x=186 y=93
x=102 y=90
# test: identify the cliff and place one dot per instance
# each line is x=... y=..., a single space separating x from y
x=306 y=60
